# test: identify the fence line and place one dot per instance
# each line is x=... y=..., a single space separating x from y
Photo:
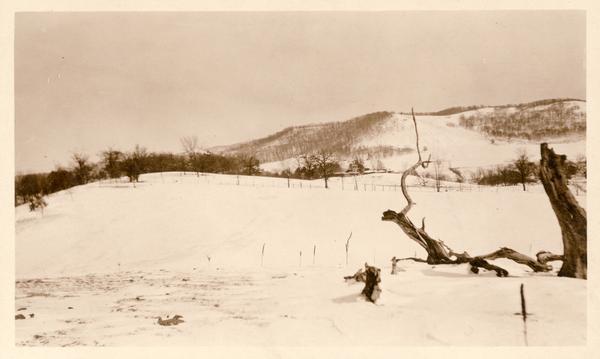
x=368 y=185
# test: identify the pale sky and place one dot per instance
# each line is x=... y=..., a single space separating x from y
x=88 y=81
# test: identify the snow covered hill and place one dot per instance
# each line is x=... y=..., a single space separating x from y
x=387 y=139
x=106 y=259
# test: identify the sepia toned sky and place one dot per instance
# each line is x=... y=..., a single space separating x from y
x=88 y=81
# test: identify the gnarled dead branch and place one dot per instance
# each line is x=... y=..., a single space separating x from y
x=438 y=252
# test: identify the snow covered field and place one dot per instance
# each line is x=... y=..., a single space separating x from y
x=105 y=260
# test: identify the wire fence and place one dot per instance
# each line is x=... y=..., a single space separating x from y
x=359 y=183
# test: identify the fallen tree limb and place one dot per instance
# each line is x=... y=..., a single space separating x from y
x=517 y=257
x=545 y=257
x=412 y=259
x=479 y=262
x=439 y=253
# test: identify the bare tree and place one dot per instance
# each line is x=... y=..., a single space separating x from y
x=307 y=166
x=134 y=163
x=524 y=166
x=82 y=168
x=111 y=161
x=250 y=165
x=440 y=253
x=326 y=165
x=189 y=144
x=191 y=149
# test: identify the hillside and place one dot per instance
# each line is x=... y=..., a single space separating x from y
x=106 y=259
x=339 y=137
x=468 y=137
x=537 y=122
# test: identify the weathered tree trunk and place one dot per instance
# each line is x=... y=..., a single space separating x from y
x=571 y=217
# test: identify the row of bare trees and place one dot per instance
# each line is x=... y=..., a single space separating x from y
x=524 y=171
x=529 y=122
x=199 y=159
x=521 y=171
x=114 y=164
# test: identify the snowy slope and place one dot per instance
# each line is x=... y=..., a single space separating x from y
x=455 y=146
x=176 y=224
x=121 y=256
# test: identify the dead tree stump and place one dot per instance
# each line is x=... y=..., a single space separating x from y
x=395 y=265
x=373 y=278
x=571 y=217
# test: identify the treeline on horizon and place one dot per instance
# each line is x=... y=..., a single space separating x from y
x=115 y=164
x=529 y=122
x=524 y=171
x=458 y=109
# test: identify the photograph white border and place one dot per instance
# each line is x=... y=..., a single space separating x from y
x=7 y=225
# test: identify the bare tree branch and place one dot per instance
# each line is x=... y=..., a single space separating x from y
x=440 y=253
x=189 y=144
